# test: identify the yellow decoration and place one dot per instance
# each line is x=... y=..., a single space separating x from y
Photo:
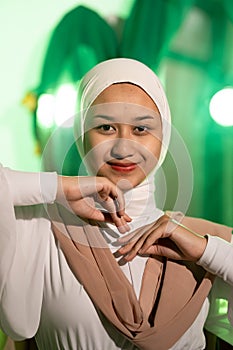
x=37 y=149
x=30 y=101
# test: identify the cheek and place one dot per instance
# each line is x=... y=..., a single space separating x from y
x=95 y=151
x=151 y=153
x=153 y=148
x=157 y=149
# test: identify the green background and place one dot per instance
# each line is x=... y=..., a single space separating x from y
x=188 y=43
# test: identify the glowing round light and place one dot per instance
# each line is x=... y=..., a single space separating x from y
x=65 y=101
x=45 y=110
x=221 y=107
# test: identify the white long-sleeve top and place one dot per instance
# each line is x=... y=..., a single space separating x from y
x=28 y=188
x=39 y=294
x=22 y=251
x=218 y=259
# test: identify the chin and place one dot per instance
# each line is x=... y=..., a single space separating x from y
x=125 y=184
x=124 y=181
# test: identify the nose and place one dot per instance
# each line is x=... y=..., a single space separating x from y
x=122 y=148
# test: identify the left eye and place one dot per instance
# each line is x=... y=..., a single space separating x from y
x=105 y=129
x=141 y=129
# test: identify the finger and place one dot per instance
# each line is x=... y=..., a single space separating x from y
x=106 y=217
x=119 y=221
x=96 y=215
x=111 y=216
x=125 y=249
x=118 y=200
x=127 y=217
x=134 y=235
x=100 y=216
x=104 y=194
x=143 y=240
x=121 y=224
x=106 y=189
x=119 y=203
x=160 y=250
x=132 y=249
x=157 y=233
x=111 y=192
x=119 y=211
x=89 y=185
x=110 y=206
x=133 y=252
x=108 y=203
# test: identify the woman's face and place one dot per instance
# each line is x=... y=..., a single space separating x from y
x=123 y=135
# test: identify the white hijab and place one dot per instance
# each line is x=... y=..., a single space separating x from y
x=140 y=202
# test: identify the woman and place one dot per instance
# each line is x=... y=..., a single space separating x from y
x=75 y=293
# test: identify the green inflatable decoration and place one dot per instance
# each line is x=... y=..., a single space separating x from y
x=80 y=40
x=3 y=339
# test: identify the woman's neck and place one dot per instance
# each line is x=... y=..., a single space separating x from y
x=140 y=203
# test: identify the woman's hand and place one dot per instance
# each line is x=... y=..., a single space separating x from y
x=79 y=194
x=167 y=237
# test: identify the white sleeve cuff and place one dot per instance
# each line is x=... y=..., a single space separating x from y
x=217 y=258
x=28 y=188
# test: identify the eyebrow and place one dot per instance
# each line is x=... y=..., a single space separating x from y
x=144 y=117
x=107 y=117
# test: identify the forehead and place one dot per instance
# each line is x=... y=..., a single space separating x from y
x=127 y=93
x=122 y=113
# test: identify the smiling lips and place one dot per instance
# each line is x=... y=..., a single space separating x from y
x=122 y=167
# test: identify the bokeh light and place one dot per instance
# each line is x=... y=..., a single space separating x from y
x=58 y=108
x=221 y=107
x=65 y=104
x=45 y=110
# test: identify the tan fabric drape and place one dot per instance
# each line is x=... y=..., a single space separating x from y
x=171 y=295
